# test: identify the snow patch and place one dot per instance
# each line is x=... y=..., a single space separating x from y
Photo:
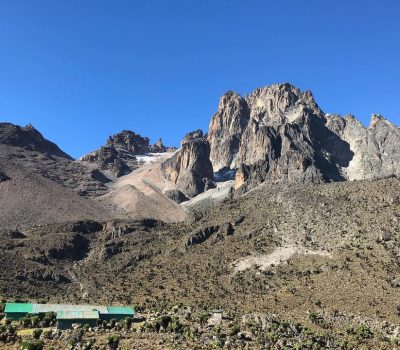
x=150 y=158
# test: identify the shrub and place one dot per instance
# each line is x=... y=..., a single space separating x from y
x=235 y=329
x=25 y=321
x=88 y=345
x=35 y=321
x=113 y=342
x=128 y=322
x=163 y=321
x=203 y=317
x=37 y=333
x=175 y=326
x=361 y=332
x=32 y=345
x=46 y=334
x=49 y=319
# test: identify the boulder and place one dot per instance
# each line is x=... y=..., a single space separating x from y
x=176 y=195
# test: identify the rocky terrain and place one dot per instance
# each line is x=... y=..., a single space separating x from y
x=278 y=229
x=308 y=254
x=119 y=156
x=279 y=133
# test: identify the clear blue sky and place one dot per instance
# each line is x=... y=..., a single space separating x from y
x=82 y=70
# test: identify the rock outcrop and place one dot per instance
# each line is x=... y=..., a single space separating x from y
x=190 y=168
x=3 y=177
x=376 y=147
x=29 y=138
x=176 y=195
x=118 y=156
x=279 y=133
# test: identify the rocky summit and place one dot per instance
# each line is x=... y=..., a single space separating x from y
x=118 y=156
x=279 y=133
x=254 y=235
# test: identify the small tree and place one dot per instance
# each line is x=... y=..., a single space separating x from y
x=35 y=321
x=113 y=342
x=37 y=333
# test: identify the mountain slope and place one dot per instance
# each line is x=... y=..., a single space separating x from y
x=286 y=250
x=29 y=199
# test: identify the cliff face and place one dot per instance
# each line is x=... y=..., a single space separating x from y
x=376 y=147
x=279 y=133
x=190 y=167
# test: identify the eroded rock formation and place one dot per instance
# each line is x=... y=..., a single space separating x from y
x=190 y=168
x=279 y=133
x=118 y=156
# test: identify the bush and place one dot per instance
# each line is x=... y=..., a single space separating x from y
x=25 y=321
x=235 y=329
x=361 y=332
x=128 y=322
x=37 y=333
x=46 y=334
x=203 y=318
x=163 y=321
x=35 y=321
x=49 y=319
x=32 y=345
x=175 y=326
x=88 y=345
x=113 y=342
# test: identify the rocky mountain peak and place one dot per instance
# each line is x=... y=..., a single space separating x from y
x=279 y=133
x=29 y=138
x=118 y=156
x=378 y=120
x=129 y=141
x=193 y=135
x=280 y=103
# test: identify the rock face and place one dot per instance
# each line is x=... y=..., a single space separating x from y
x=118 y=156
x=29 y=138
x=190 y=168
x=376 y=148
x=279 y=133
x=129 y=141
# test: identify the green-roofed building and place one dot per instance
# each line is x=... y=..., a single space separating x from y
x=118 y=313
x=66 y=319
x=15 y=311
x=70 y=314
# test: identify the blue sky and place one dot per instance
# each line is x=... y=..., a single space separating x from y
x=82 y=70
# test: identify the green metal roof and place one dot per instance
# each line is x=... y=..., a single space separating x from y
x=77 y=315
x=66 y=308
x=120 y=310
x=19 y=307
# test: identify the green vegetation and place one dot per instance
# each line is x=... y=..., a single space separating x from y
x=32 y=345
